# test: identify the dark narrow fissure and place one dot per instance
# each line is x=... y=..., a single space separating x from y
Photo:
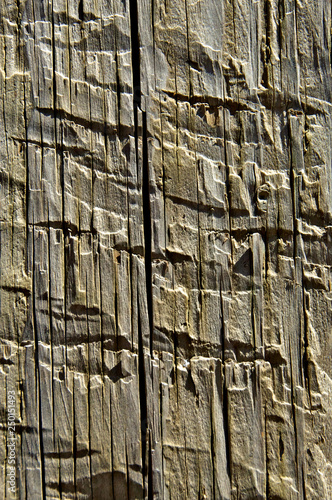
x=135 y=52
x=226 y=429
x=54 y=77
x=304 y=484
x=227 y=184
x=37 y=369
x=163 y=167
x=116 y=315
x=213 y=453
x=199 y=262
x=27 y=190
x=60 y=477
x=60 y=159
x=292 y=185
x=101 y=311
x=306 y=141
x=281 y=447
x=293 y=402
x=80 y=10
x=188 y=51
x=152 y=24
x=136 y=75
x=131 y=271
x=281 y=15
x=4 y=93
x=199 y=489
x=19 y=18
x=118 y=93
x=222 y=328
x=150 y=477
x=267 y=238
x=136 y=141
x=128 y=476
x=112 y=441
x=266 y=51
x=89 y=381
x=253 y=303
x=225 y=395
x=305 y=357
x=175 y=369
x=267 y=476
x=74 y=444
x=147 y=230
x=51 y=321
x=136 y=71
x=331 y=42
x=142 y=393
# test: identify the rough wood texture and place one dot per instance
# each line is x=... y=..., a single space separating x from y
x=166 y=200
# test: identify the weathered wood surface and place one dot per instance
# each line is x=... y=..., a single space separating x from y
x=166 y=230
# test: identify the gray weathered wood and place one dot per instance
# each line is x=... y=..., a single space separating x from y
x=165 y=216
